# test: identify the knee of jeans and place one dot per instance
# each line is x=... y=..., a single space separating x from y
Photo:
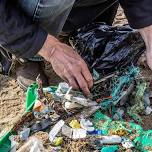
x=29 y=6
x=51 y=9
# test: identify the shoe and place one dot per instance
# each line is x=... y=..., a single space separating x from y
x=28 y=72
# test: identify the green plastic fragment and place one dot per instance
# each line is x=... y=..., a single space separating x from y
x=96 y=75
x=31 y=96
x=5 y=143
x=113 y=148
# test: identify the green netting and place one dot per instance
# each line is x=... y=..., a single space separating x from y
x=142 y=141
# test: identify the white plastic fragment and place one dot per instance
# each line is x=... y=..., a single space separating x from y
x=148 y=110
x=127 y=144
x=87 y=112
x=79 y=133
x=25 y=134
x=71 y=105
x=80 y=100
x=73 y=133
x=114 y=139
x=68 y=91
x=47 y=89
x=87 y=125
x=62 y=89
x=68 y=97
x=67 y=131
x=55 y=130
x=84 y=102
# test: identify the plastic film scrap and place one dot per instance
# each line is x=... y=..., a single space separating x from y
x=107 y=49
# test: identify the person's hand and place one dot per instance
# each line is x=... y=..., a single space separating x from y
x=146 y=34
x=67 y=64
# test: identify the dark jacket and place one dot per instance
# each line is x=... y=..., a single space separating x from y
x=21 y=36
x=18 y=34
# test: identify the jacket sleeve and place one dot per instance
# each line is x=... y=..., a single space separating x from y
x=18 y=34
x=138 y=12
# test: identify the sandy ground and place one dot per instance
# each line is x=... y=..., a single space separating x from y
x=12 y=98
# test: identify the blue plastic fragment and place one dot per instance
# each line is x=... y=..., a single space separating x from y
x=95 y=132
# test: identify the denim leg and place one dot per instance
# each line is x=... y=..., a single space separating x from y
x=87 y=11
x=50 y=14
x=29 y=6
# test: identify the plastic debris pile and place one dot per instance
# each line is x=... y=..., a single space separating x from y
x=63 y=119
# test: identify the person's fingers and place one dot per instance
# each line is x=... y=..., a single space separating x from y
x=88 y=77
x=82 y=84
x=86 y=74
x=70 y=80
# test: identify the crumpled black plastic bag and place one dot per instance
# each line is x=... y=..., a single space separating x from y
x=106 y=48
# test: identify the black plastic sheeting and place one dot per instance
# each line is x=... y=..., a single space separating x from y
x=106 y=48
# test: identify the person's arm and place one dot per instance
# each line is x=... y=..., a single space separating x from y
x=146 y=33
x=139 y=15
x=18 y=34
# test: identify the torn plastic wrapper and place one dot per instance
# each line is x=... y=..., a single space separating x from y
x=87 y=125
x=41 y=125
x=32 y=145
x=107 y=49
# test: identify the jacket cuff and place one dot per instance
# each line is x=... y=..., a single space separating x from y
x=141 y=23
x=37 y=44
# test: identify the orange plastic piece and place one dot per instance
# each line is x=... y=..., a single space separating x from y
x=38 y=106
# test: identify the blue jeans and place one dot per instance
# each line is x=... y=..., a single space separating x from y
x=68 y=15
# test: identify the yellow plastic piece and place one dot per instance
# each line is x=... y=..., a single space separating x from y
x=58 y=141
x=75 y=124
